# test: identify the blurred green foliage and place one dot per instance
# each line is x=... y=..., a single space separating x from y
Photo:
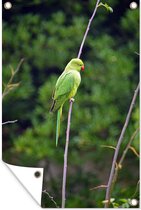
x=48 y=34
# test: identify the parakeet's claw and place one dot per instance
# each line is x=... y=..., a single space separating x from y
x=72 y=99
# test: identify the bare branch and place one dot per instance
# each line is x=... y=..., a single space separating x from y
x=9 y=86
x=9 y=122
x=128 y=147
x=100 y=186
x=108 y=191
x=87 y=29
x=110 y=147
x=136 y=190
x=66 y=154
x=136 y=53
x=51 y=198
x=119 y=165
x=134 y=151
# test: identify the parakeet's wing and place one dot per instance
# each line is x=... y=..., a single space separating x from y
x=63 y=88
x=64 y=85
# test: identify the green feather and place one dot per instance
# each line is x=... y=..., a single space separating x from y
x=59 y=114
x=66 y=88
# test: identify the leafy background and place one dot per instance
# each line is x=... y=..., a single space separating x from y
x=48 y=34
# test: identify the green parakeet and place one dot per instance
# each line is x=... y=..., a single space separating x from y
x=66 y=88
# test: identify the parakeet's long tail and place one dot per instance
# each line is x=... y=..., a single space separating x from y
x=59 y=114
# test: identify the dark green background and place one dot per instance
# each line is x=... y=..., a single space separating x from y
x=48 y=34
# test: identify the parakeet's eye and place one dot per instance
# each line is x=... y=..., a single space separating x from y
x=82 y=68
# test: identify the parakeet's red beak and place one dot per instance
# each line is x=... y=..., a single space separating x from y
x=82 y=68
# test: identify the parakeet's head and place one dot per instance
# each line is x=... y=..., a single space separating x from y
x=75 y=64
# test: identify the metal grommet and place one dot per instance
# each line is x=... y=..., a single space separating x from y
x=37 y=174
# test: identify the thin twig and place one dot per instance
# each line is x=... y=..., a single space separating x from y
x=7 y=89
x=110 y=147
x=119 y=165
x=17 y=69
x=136 y=190
x=134 y=151
x=9 y=122
x=66 y=154
x=127 y=147
x=108 y=190
x=136 y=53
x=87 y=29
x=100 y=186
x=51 y=198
